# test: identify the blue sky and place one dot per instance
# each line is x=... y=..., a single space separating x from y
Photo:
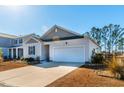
x=21 y=20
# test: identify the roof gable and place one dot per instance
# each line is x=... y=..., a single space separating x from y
x=32 y=40
x=57 y=32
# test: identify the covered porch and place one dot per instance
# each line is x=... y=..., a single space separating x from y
x=16 y=52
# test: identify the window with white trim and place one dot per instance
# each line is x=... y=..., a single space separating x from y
x=31 y=50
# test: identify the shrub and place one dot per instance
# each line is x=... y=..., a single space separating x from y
x=22 y=59
x=116 y=68
x=97 y=58
x=38 y=58
x=31 y=61
x=1 y=59
x=1 y=55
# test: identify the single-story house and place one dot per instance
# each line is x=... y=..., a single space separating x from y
x=57 y=44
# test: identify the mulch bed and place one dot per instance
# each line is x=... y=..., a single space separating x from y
x=11 y=65
x=86 y=77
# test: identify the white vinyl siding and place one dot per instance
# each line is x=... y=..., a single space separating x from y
x=75 y=44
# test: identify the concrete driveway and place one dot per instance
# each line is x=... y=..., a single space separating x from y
x=36 y=76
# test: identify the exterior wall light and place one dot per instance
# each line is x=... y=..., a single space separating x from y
x=66 y=43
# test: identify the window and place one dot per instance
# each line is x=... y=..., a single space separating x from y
x=31 y=50
x=15 y=41
x=20 y=40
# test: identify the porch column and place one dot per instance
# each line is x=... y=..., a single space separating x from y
x=11 y=52
x=16 y=52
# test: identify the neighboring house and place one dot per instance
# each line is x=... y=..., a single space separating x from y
x=57 y=44
x=6 y=41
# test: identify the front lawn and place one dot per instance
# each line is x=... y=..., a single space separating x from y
x=11 y=65
x=86 y=77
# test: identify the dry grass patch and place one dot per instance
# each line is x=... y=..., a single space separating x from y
x=11 y=65
x=85 y=77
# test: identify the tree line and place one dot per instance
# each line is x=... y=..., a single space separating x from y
x=110 y=38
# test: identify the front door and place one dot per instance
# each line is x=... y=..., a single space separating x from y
x=47 y=52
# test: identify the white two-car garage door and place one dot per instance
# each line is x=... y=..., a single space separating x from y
x=69 y=54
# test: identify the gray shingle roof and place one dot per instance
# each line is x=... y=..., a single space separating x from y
x=7 y=35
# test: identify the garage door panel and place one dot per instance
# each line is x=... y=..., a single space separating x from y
x=69 y=54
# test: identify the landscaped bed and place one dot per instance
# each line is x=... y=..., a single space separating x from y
x=11 y=65
x=87 y=77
